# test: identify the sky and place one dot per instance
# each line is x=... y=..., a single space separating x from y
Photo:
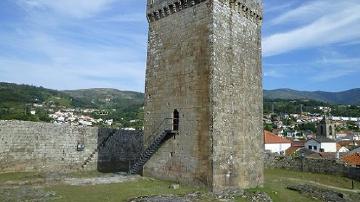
x=76 y=44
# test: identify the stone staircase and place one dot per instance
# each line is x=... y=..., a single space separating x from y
x=150 y=150
x=98 y=148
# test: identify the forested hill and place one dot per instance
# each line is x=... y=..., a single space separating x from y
x=108 y=98
x=14 y=95
x=18 y=101
x=349 y=97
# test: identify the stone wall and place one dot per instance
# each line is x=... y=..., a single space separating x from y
x=324 y=166
x=29 y=146
x=177 y=77
x=204 y=60
x=120 y=151
x=236 y=95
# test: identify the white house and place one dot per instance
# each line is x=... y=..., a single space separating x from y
x=321 y=145
x=343 y=150
x=275 y=144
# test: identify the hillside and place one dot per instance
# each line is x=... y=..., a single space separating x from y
x=20 y=101
x=349 y=97
x=12 y=95
x=108 y=98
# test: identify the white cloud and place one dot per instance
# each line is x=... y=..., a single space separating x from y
x=309 y=11
x=333 y=73
x=73 y=8
x=54 y=61
x=271 y=7
x=64 y=44
x=341 y=25
x=273 y=73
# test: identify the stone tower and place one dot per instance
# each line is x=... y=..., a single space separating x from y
x=204 y=68
x=326 y=129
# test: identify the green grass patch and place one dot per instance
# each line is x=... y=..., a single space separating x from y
x=331 y=180
x=118 y=192
x=276 y=181
x=23 y=176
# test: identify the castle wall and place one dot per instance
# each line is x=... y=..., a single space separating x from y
x=204 y=59
x=177 y=77
x=236 y=97
x=45 y=147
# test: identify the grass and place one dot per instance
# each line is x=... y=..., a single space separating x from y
x=276 y=181
x=23 y=176
x=331 y=180
x=117 y=192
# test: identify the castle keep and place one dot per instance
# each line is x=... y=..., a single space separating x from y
x=204 y=83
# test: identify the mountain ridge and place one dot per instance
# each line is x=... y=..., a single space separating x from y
x=348 y=97
x=110 y=96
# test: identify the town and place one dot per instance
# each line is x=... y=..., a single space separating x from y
x=313 y=135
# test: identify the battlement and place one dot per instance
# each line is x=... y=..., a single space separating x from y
x=158 y=9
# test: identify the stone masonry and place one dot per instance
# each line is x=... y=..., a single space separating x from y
x=204 y=61
x=46 y=147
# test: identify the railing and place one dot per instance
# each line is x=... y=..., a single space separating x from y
x=159 y=129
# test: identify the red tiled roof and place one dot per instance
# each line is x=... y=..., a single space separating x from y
x=271 y=138
x=300 y=143
x=346 y=143
x=353 y=159
x=291 y=150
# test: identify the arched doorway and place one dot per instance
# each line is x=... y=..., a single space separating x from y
x=176 y=120
x=321 y=130
x=330 y=130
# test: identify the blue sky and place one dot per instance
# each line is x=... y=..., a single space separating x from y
x=73 y=44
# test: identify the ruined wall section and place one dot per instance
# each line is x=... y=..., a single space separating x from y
x=121 y=151
x=29 y=146
x=177 y=77
x=236 y=95
x=46 y=147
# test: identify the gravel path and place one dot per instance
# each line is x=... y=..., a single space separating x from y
x=116 y=178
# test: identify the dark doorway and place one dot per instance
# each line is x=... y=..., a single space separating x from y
x=321 y=130
x=176 y=120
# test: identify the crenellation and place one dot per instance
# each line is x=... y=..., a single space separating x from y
x=252 y=13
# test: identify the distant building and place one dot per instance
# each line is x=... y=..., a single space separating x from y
x=321 y=144
x=352 y=159
x=275 y=144
x=326 y=129
x=296 y=145
x=343 y=150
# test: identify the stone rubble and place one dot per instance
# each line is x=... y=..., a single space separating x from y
x=318 y=193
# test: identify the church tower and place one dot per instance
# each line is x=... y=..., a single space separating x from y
x=204 y=81
x=326 y=129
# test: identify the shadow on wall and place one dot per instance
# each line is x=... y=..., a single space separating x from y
x=118 y=149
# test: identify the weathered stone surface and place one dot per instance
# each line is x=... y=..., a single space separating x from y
x=318 y=193
x=204 y=60
x=29 y=146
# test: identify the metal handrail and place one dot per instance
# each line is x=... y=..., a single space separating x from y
x=156 y=131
